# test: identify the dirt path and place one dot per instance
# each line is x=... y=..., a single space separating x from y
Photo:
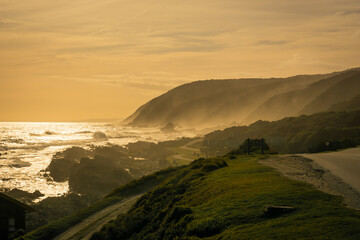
x=306 y=170
x=92 y=224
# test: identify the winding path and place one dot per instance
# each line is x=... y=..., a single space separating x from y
x=92 y=224
x=187 y=147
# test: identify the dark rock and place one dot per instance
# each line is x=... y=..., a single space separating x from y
x=115 y=152
x=62 y=162
x=23 y=195
x=97 y=176
x=100 y=136
x=17 y=163
x=59 y=168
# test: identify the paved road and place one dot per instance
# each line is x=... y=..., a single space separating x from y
x=189 y=148
x=343 y=164
x=92 y=224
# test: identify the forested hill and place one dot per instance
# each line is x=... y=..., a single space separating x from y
x=292 y=134
x=219 y=102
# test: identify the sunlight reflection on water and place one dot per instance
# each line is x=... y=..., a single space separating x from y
x=26 y=149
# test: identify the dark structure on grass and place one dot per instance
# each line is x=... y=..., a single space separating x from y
x=254 y=145
x=12 y=216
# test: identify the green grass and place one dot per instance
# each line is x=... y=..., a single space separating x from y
x=209 y=200
x=235 y=197
x=135 y=187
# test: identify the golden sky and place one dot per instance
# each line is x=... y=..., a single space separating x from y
x=64 y=60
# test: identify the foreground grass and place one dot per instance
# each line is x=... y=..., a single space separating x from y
x=135 y=187
x=208 y=199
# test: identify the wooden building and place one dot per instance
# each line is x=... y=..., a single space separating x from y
x=12 y=216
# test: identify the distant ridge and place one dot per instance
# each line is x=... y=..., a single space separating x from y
x=209 y=103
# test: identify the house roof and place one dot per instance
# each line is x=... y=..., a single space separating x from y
x=16 y=202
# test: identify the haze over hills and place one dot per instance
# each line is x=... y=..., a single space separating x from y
x=217 y=102
x=351 y=105
x=316 y=97
x=341 y=91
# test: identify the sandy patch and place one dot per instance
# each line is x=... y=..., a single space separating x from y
x=306 y=170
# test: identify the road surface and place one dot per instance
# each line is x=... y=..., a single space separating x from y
x=92 y=224
x=343 y=164
x=189 y=148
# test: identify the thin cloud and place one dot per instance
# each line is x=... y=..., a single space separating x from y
x=273 y=42
x=159 y=82
x=108 y=28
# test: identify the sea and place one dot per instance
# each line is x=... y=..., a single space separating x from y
x=26 y=148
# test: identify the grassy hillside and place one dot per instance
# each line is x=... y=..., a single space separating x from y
x=224 y=198
x=216 y=101
x=292 y=135
x=135 y=187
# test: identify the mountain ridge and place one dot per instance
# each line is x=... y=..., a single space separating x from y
x=180 y=100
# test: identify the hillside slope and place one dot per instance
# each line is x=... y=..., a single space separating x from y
x=291 y=103
x=225 y=198
x=350 y=105
x=343 y=90
x=213 y=102
x=291 y=135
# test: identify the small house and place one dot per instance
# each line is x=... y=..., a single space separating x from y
x=12 y=216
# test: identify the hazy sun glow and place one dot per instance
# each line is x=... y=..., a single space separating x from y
x=87 y=59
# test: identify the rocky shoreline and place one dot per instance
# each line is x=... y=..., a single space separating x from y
x=92 y=173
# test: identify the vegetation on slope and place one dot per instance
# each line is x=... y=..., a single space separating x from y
x=214 y=102
x=318 y=132
x=224 y=198
x=291 y=103
x=135 y=187
x=217 y=102
x=339 y=92
x=350 y=105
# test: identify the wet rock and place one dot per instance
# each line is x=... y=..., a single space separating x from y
x=23 y=196
x=62 y=162
x=59 y=168
x=17 y=163
x=111 y=151
x=100 y=136
x=6 y=179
